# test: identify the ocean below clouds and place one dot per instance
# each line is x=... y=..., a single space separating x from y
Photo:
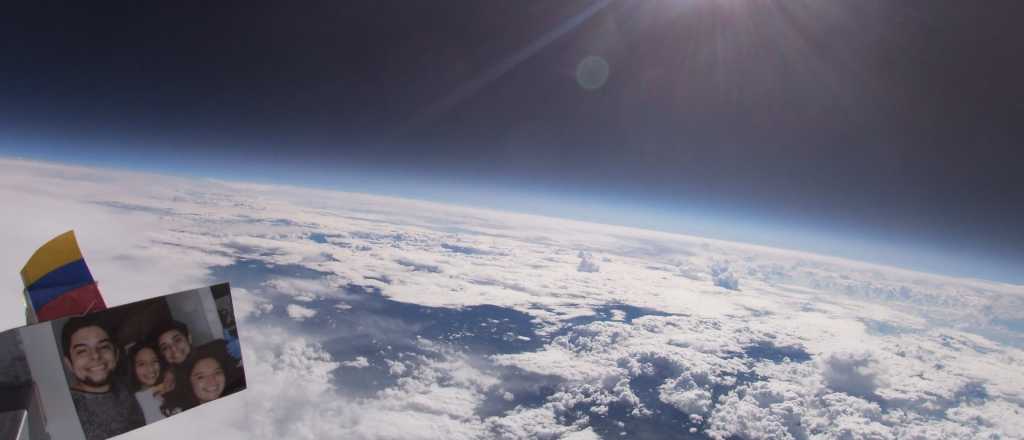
x=378 y=318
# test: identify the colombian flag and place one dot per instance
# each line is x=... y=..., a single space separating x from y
x=57 y=281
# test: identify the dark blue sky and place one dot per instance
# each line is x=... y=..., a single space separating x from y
x=881 y=122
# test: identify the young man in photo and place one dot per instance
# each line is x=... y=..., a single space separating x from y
x=174 y=342
x=105 y=408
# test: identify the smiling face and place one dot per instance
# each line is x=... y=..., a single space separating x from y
x=91 y=359
x=207 y=380
x=147 y=367
x=174 y=346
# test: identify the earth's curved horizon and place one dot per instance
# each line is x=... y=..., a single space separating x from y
x=367 y=316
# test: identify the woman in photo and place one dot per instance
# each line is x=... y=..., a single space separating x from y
x=150 y=380
x=210 y=373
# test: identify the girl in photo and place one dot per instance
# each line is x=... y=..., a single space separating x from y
x=209 y=374
x=150 y=380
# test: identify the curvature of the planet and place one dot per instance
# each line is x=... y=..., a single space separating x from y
x=372 y=317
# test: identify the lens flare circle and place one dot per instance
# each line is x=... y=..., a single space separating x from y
x=592 y=72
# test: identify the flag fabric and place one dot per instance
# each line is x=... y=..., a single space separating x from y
x=58 y=282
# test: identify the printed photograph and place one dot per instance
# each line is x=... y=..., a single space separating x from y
x=139 y=363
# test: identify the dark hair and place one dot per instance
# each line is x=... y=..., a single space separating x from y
x=132 y=352
x=167 y=326
x=183 y=398
x=73 y=325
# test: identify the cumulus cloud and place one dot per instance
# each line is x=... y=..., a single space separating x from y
x=529 y=423
x=784 y=409
x=248 y=305
x=723 y=277
x=690 y=393
x=854 y=373
x=584 y=434
x=300 y=313
x=395 y=368
x=303 y=289
x=418 y=266
x=358 y=362
x=587 y=263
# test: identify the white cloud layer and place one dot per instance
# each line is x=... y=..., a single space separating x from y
x=877 y=352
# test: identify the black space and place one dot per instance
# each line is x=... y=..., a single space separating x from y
x=894 y=116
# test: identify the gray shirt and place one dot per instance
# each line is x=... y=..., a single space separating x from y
x=104 y=415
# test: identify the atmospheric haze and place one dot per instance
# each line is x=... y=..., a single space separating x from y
x=368 y=317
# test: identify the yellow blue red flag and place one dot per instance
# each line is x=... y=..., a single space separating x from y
x=58 y=282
